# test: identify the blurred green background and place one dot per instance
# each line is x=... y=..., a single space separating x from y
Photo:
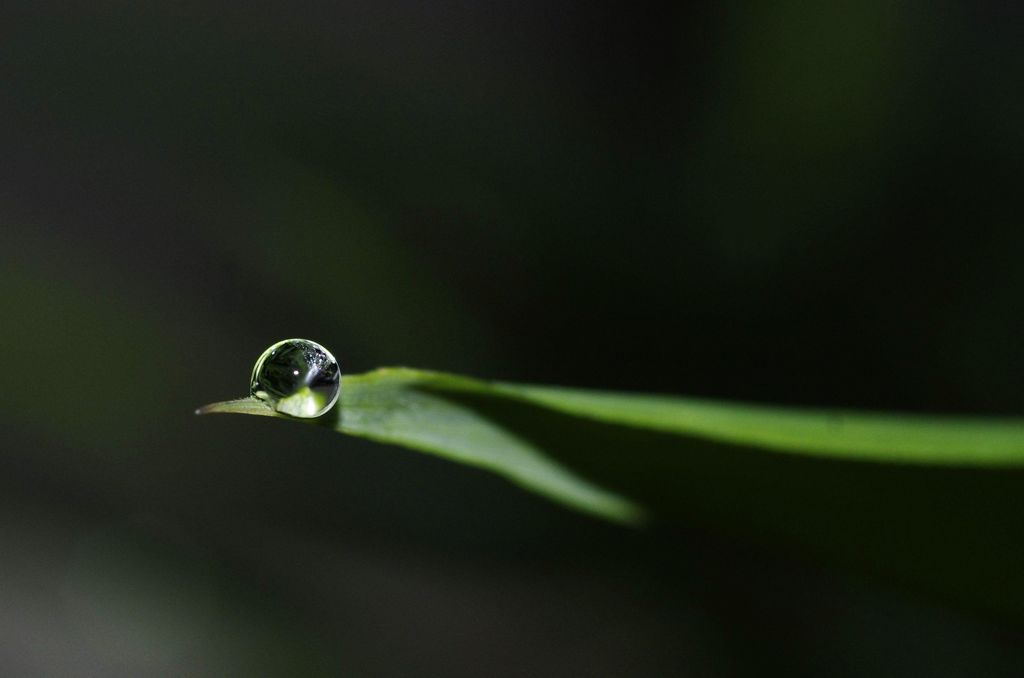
x=802 y=203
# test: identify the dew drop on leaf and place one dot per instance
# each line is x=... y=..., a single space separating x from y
x=297 y=377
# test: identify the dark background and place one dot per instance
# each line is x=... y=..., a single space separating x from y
x=802 y=203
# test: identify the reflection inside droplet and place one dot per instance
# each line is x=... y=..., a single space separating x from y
x=297 y=377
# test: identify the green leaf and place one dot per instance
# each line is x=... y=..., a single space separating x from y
x=930 y=502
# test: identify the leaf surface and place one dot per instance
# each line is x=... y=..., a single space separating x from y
x=930 y=502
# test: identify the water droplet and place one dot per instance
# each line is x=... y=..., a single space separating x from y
x=297 y=377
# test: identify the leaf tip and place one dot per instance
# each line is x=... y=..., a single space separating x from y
x=239 y=406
